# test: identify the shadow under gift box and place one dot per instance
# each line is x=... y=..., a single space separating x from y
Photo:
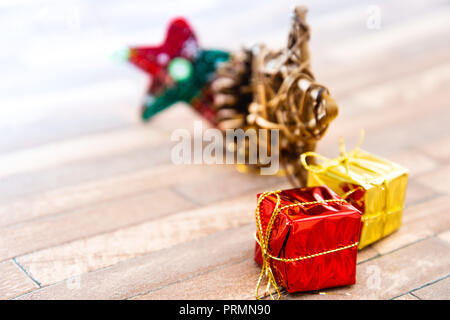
x=309 y=231
x=375 y=186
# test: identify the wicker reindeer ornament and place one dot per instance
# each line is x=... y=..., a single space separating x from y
x=266 y=89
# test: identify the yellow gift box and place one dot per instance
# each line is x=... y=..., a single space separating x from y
x=376 y=186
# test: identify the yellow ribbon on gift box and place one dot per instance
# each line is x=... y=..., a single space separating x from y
x=263 y=241
x=357 y=159
x=345 y=159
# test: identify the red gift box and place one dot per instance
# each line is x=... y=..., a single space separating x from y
x=309 y=238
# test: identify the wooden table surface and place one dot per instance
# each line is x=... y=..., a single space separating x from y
x=91 y=206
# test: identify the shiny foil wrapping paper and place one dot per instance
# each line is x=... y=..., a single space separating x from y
x=309 y=230
x=377 y=187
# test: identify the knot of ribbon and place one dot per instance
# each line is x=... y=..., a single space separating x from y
x=345 y=158
x=354 y=157
x=262 y=238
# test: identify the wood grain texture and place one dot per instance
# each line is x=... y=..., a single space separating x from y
x=394 y=274
x=37 y=234
x=435 y=291
x=87 y=170
x=14 y=281
x=92 y=146
x=109 y=248
x=419 y=222
x=159 y=269
x=391 y=279
x=439 y=149
x=443 y=175
x=92 y=192
x=407 y=296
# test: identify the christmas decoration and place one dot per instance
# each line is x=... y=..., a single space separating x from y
x=269 y=89
x=233 y=91
x=180 y=71
x=375 y=186
x=306 y=240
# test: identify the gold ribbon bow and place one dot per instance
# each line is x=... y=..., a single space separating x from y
x=345 y=159
x=263 y=240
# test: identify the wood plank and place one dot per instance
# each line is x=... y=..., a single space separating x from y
x=84 y=194
x=35 y=235
x=439 y=290
x=407 y=296
x=438 y=179
x=64 y=199
x=158 y=269
x=419 y=222
x=415 y=161
x=98 y=252
x=14 y=281
x=236 y=281
x=230 y=186
x=396 y=91
x=16 y=186
x=388 y=137
x=230 y=282
x=86 y=147
x=417 y=193
x=92 y=192
x=394 y=274
x=361 y=76
x=408 y=125
x=366 y=254
x=439 y=149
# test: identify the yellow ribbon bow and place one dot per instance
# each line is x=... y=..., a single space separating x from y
x=354 y=157
x=345 y=158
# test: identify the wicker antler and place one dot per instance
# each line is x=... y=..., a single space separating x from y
x=284 y=95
